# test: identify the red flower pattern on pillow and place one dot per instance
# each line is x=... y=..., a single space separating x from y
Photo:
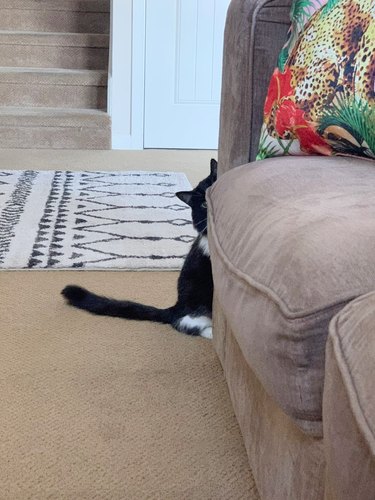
x=287 y=118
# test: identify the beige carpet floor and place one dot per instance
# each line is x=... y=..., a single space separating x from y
x=103 y=408
x=194 y=163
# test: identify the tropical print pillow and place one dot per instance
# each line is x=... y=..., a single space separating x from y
x=321 y=98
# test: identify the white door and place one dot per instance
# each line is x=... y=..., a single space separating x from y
x=184 y=40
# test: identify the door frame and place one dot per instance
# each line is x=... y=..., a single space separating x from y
x=126 y=74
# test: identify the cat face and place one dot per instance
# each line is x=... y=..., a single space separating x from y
x=196 y=199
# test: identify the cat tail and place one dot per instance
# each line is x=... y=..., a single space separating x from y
x=83 y=299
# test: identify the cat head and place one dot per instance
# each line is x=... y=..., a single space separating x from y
x=196 y=199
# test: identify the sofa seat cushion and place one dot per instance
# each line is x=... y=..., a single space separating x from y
x=292 y=240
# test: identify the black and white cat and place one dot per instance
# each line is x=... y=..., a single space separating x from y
x=192 y=312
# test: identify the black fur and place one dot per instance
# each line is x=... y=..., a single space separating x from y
x=195 y=285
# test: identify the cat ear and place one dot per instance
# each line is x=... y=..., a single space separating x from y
x=185 y=196
x=213 y=165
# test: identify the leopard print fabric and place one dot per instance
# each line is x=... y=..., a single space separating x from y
x=322 y=97
x=327 y=60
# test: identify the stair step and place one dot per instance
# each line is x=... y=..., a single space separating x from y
x=54 y=128
x=53 y=76
x=69 y=5
x=70 y=16
x=53 y=87
x=55 y=117
x=54 y=50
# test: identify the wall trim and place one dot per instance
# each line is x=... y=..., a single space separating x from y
x=126 y=80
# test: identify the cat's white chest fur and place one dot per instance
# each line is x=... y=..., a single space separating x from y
x=203 y=245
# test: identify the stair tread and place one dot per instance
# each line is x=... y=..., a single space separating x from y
x=13 y=111
x=55 y=39
x=54 y=117
x=61 y=5
x=49 y=76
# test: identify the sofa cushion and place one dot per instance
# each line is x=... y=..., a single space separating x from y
x=292 y=241
x=349 y=402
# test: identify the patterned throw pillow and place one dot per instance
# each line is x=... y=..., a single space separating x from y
x=321 y=98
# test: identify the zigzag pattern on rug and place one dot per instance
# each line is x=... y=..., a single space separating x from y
x=83 y=220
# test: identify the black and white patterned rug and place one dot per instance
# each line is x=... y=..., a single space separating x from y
x=93 y=220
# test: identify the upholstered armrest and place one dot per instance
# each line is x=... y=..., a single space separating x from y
x=255 y=32
x=349 y=402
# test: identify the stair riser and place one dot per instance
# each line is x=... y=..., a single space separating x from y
x=54 y=21
x=53 y=96
x=54 y=138
x=44 y=56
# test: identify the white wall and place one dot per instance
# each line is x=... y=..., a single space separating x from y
x=126 y=73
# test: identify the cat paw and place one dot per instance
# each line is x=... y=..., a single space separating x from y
x=207 y=333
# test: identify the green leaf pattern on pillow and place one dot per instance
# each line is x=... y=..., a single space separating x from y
x=321 y=98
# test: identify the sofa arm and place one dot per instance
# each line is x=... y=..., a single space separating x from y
x=349 y=403
x=255 y=31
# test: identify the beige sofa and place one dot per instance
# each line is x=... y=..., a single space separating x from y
x=292 y=244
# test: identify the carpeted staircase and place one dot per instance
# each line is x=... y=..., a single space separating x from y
x=53 y=74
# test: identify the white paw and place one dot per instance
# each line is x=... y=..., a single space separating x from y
x=207 y=333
